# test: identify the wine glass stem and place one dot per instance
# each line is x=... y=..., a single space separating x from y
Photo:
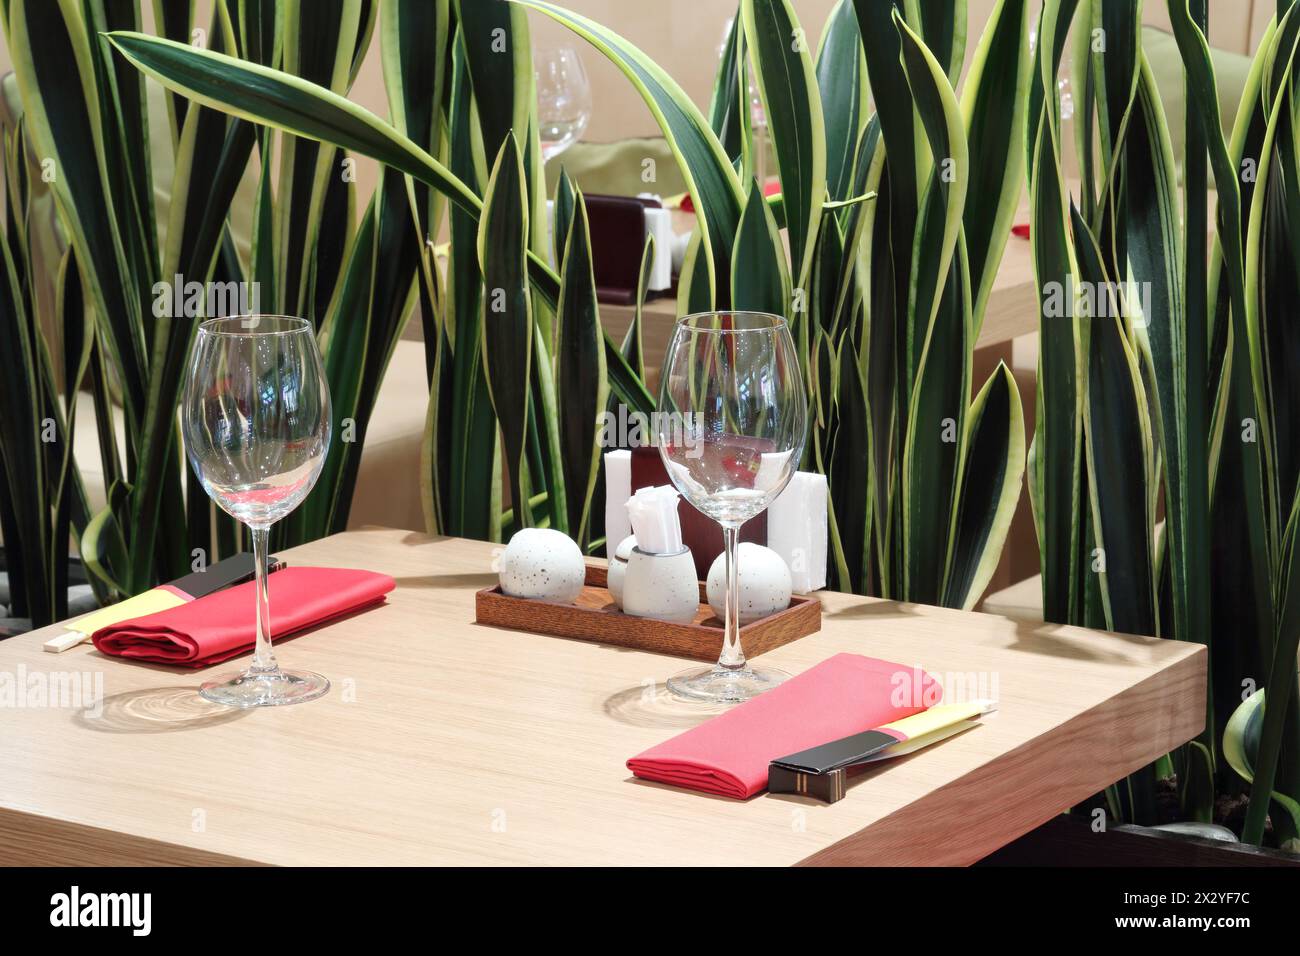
x=733 y=655
x=263 y=656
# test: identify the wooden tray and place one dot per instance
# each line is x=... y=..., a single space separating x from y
x=593 y=617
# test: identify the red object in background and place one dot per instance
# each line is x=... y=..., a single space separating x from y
x=773 y=188
x=700 y=533
x=223 y=625
x=844 y=695
x=1020 y=231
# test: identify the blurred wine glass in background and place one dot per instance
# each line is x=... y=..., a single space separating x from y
x=563 y=98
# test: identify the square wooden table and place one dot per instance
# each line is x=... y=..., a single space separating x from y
x=444 y=742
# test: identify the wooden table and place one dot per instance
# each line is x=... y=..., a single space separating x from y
x=443 y=742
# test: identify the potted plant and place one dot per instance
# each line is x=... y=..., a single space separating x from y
x=1162 y=393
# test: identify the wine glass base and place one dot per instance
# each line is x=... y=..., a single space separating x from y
x=720 y=685
x=272 y=688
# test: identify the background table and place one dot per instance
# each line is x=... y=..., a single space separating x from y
x=443 y=742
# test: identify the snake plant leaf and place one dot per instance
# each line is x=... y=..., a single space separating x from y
x=730 y=100
x=992 y=472
x=942 y=27
x=1241 y=739
x=468 y=446
x=1120 y=453
x=1203 y=104
x=415 y=43
x=495 y=39
x=1241 y=598
x=318 y=46
x=944 y=198
x=993 y=104
x=289 y=103
x=1054 y=21
x=361 y=331
x=175 y=22
x=212 y=155
x=1056 y=457
x=306 y=109
x=826 y=278
x=1280 y=685
x=562 y=221
x=1270 y=284
x=21 y=453
x=787 y=83
x=1118 y=68
x=856 y=222
x=258 y=26
x=893 y=100
x=760 y=280
x=935 y=440
x=1156 y=262
x=48 y=43
x=633 y=349
x=710 y=178
x=842 y=84
x=126 y=128
x=581 y=387
x=507 y=309
x=850 y=470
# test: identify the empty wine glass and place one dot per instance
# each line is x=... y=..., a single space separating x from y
x=256 y=423
x=563 y=99
x=733 y=416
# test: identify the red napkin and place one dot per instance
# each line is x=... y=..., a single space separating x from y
x=223 y=625
x=843 y=695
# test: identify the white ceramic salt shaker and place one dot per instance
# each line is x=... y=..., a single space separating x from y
x=543 y=565
x=764 y=580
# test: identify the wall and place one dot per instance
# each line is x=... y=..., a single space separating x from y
x=683 y=36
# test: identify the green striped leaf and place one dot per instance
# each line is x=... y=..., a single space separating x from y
x=850 y=473
x=507 y=309
x=992 y=470
x=289 y=103
x=787 y=82
x=942 y=27
x=842 y=83
x=49 y=46
x=1056 y=459
x=993 y=104
x=945 y=194
x=633 y=349
x=581 y=388
x=729 y=104
x=935 y=439
x=1120 y=454
x=760 y=280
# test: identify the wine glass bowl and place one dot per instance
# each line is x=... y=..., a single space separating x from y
x=256 y=427
x=732 y=421
x=563 y=99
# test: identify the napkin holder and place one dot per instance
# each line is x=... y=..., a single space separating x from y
x=619 y=225
x=822 y=771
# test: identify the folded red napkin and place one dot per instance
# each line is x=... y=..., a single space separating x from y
x=223 y=625
x=843 y=695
